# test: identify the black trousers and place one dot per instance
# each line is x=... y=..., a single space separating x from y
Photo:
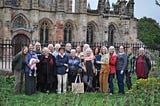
x=128 y=80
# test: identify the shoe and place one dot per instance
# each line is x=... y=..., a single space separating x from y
x=110 y=93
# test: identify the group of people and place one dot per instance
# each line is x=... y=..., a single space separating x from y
x=55 y=68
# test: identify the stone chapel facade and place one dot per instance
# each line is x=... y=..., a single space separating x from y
x=58 y=20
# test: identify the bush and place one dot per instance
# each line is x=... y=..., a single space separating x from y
x=145 y=92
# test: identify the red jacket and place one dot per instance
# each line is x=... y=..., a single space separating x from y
x=112 y=63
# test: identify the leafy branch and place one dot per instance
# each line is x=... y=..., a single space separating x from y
x=157 y=2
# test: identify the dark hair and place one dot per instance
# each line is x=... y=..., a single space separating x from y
x=61 y=48
x=94 y=49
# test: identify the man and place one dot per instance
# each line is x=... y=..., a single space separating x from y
x=121 y=68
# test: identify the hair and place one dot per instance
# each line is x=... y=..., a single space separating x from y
x=57 y=44
x=61 y=48
x=46 y=49
x=94 y=49
x=103 y=47
x=73 y=50
x=50 y=45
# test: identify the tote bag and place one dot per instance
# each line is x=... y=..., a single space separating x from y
x=78 y=87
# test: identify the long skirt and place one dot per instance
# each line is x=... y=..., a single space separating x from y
x=30 y=84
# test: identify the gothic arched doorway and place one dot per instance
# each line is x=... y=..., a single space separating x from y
x=18 y=42
x=111 y=32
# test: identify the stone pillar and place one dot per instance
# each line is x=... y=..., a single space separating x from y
x=34 y=24
x=6 y=17
x=59 y=27
x=82 y=29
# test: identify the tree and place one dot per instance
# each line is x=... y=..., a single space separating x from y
x=158 y=2
x=149 y=32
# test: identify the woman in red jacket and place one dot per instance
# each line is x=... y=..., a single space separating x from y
x=112 y=66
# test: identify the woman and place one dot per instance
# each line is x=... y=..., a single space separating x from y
x=62 y=69
x=74 y=66
x=30 y=81
x=47 y=71
x=89 y=69
x=121 y=68
x=143 y=65
x=104 y=72
x=18 y=65
x=112 y=67
x=96 y=53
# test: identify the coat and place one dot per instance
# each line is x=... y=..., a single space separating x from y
x=146 y=67
x=47 y=69
x=17 y=62
x=112 y=63
x=60 y=61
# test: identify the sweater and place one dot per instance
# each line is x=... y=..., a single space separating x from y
x=121 y=62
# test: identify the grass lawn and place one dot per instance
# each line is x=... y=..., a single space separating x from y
x=8 y=98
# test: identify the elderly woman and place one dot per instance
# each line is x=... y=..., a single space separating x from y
x=74 y=66
x=18 y=65
x=47 y=71
x=62 y=69
x=143 y=65
x=89 y=69
x=104 y=72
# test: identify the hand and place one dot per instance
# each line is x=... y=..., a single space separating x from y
x=122 y=72
x=67 y=70
x=66 y=65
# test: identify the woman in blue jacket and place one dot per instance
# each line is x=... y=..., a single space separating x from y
x=62 y=69
x=30 y=81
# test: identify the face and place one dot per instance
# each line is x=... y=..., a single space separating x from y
x=45 y=52
x=96 y=51
x=38 y=47
x=68 y=47
x=61 y=51
x=73 y=54
x=103 y=51
x=88 y=53
x=141 y=52
x=129 y=51
x=51 y=48
x=78 y=49
x=30 y=47
x=121 y=49
x=111 y=50
x=25 y=51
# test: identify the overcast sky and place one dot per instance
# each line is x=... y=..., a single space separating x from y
x=143 y=8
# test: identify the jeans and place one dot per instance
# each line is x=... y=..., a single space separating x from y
x=110 y=80
x=120 y=78
x=62 y=78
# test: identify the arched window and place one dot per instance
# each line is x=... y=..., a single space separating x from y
x=111 y=31
x=68 y=32
x=19 y=22
x=90 y=33
x=44 y=32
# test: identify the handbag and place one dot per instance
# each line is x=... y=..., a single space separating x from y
x=78 y=87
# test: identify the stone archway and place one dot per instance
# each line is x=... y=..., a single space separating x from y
x=18 y=42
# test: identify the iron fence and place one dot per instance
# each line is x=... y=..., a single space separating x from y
x=8 y=49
